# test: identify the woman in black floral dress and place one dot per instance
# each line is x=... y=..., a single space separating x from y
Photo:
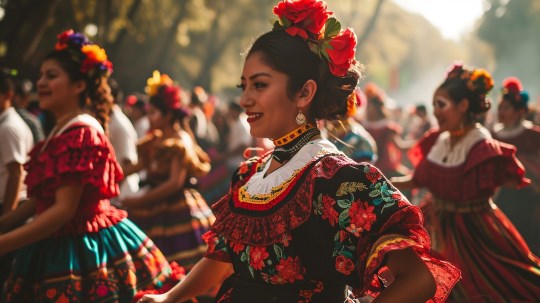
x=304 y=221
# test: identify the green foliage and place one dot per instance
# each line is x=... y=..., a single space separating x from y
x=512 y=29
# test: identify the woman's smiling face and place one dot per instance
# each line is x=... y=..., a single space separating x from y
x=271 y=112
x=450 y=115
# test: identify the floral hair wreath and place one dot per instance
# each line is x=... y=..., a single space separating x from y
x=93 y=58
x=164 y=85
x=310 y=20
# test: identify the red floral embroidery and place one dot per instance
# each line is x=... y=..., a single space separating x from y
x=344 y=265
x=400 y=199
x=237 y=247
x=328 y=210
x=211 y=239
x=62 y=299
x=355 y=230
x=257 y=255
x=307 y=294
x=373 y=174
x=102 y=290
x=51 y=293
x=362 y=215
x=289 y=270
x=343 y=235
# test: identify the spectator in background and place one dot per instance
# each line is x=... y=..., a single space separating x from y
x=239 y=137
x=136 y=106
x=21 y=101
x=522 y=206
x=386 y=132
x=169 y=208
x=16 y=142
x=203 y=129
x=123 y=138
x=420 y=123
x=349 y=136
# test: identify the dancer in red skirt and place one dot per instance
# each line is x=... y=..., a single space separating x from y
x=462 y=166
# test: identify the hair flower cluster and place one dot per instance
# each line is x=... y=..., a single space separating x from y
x=310 y=20
x=478 y=80
x=163 y=85
x=513 y=91
x=94 y=61
x=156 y=81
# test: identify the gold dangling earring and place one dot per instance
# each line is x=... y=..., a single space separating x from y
x=300 y=118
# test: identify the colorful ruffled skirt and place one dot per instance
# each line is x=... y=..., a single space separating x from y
x=110 y=265
x=176 y=225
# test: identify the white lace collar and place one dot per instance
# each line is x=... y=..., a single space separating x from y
x=445 y=155
x=258 y=184
x=511 y=132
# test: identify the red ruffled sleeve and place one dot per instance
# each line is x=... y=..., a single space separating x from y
x=82 y=155
x=496 y=163
x=403 y=230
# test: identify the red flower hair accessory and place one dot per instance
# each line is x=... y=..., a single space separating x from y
x=513 y=92
x=310 y=20
x=92 y=58
x=163 y=85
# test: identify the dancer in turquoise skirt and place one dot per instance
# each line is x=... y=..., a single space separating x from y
x=77 y=247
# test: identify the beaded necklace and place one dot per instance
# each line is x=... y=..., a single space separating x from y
x=288 y=145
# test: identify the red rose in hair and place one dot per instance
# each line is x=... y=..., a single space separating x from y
x=342 y=52
x=304 y=15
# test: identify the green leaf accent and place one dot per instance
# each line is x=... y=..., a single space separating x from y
x=278 y=250
x=344 y=203
x=344 y=218
x=317 y=205
x=285 y=22
x=388 y=205
x=375 y=193
x=332 y=27
x=243 y=257
x=347 y=253
x=251 y=271
x=314 y=47
x=336 y=237
x=350 y=187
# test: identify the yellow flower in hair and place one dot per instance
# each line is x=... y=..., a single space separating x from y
x=482 y=73
x=94 y=53
x=154 y=82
